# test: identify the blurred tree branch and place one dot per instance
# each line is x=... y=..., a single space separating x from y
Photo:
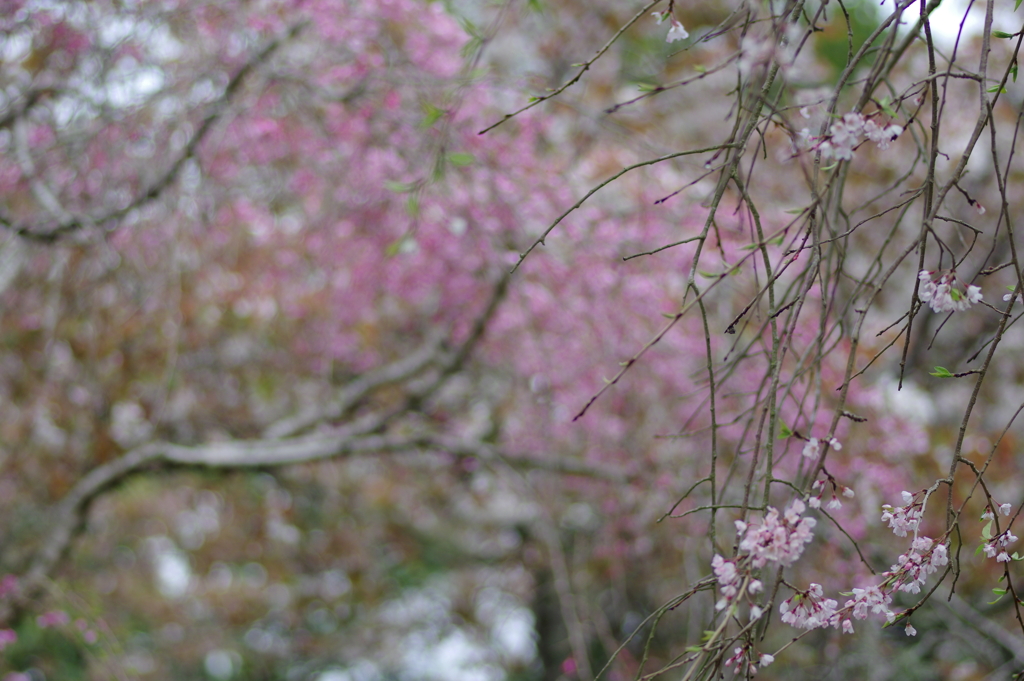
x=64 y=223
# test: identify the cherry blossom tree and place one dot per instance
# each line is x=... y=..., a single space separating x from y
x=358 y=340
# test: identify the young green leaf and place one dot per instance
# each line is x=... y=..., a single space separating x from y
x=431 y=114
x=941 y=372
x=460 y=159
x=399 y=187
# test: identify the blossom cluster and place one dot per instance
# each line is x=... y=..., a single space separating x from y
x=872 y=598
x=903 y=519
x=810 y=609
x=744 y=659
x=730 y=580
x=835 y=504
x=912 y=568
x=780 y=540
x=846 y=134
x=943 y=295
x=998 y=544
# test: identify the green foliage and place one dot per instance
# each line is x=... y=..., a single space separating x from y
x=833 y=44
x=48 y=650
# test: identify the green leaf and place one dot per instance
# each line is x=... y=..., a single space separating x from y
x=795 y=211
x=998 y=592
x=886 y=106
x=1013 y=72
x=461 y=160
x=1001 y=34
x=784 y=431
x=700 y=68
x=995 y=601
x=986 y=532
x=399 y=187
x=470 y=28
x=941 y=372
x=996 y=88
x=531 y=100
x=431 y=114
x=1017 y=6
x=647 y=87
x=471 y=46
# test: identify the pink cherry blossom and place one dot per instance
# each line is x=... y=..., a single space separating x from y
x=779 y=540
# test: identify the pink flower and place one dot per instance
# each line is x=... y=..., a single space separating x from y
x=943 y=295
x=54 y=618
x=729 y=580
x=912 y=568
x=8 y=585
x=911 y=631
x=809 y=610
x=777 y=540
x=872 y=598
x=1004 y=509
